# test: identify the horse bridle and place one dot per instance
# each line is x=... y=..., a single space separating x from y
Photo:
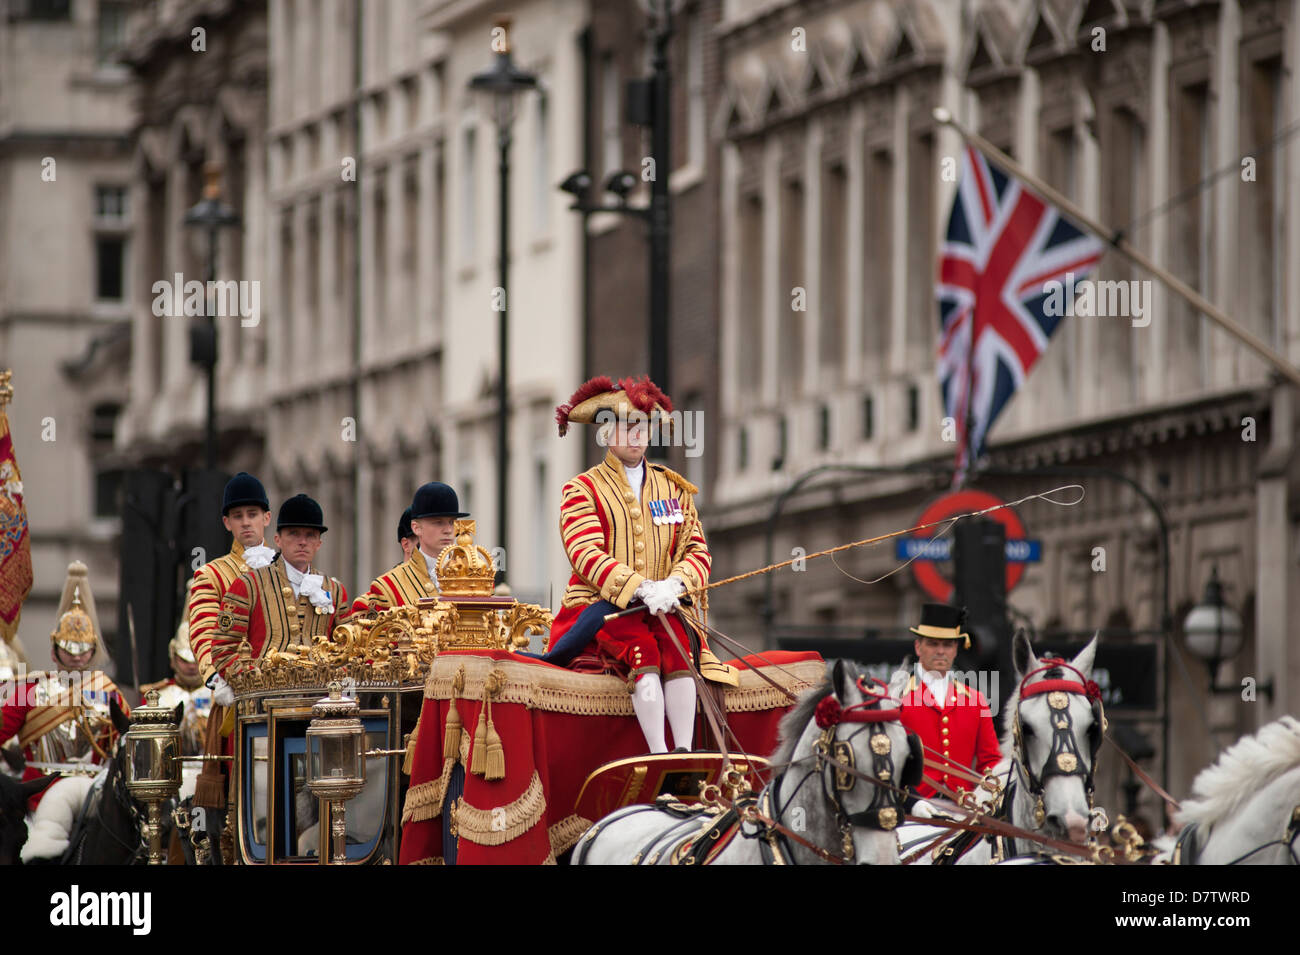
x=1063 y=758
x=836 y=765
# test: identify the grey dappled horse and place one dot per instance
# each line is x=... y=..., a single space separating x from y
x=1245 y=809
x=804 y=795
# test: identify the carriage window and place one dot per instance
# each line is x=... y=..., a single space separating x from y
x=367 y=813
x=255 y=777
x=299 y=805
x=364 y=816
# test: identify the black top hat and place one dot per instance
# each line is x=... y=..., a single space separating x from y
x=942 y=622
x=404 y=526
x=241 y=489
x=436 y=499
x=300 y=511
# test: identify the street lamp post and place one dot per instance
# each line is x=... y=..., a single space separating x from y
x=212 y=215
x=660 y=204
x=502 y=82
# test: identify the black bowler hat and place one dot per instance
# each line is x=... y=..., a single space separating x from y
x=300 y=511
x=242 y=489
x=942 y=622
x=404 y=526
x=436 y=499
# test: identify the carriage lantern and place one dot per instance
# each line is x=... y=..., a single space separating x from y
x=336 y=762
x=153 y=766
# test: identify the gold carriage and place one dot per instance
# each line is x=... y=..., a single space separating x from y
x=382 y=664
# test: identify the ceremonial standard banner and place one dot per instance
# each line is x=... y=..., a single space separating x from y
x=15 y=543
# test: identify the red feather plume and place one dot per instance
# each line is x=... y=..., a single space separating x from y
x=589 y=389
x=645 y=394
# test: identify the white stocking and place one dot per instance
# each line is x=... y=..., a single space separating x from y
x=648 y=703
x=679 y=701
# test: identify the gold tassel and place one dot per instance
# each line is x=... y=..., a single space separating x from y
x=408 y=761
x=478 y=758
x=489 y=759
x=451 y=735
x=496 y=753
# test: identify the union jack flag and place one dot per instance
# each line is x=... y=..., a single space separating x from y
x=1003 y=246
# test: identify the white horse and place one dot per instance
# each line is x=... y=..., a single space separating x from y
x=1043 y=793
x=1245 y=808
x=809 y=796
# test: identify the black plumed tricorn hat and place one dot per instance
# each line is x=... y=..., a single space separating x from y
x=436 y=499
x=242 y=489
x=301 y=511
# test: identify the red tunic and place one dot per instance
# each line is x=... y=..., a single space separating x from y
x=260 y=606
x=961 y=730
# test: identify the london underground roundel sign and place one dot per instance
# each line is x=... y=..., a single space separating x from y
x=1019 y=550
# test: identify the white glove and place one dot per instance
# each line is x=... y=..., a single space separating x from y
x=645 y=587
x=923 y=809
x=259 y=556
x=319 y=597
x=664 y=597
x=222 y=694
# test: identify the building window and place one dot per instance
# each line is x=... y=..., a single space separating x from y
x=380 y=246
x=913 y=408
x=868 y=418
x=543 y=188
x=824 y=427
x=611 y=133
x=742 y=449
x=879 y=255
x=749 y=296
x=696 y=128
x=111 y=205
x=1191 y=220
x=830 y=298
x=108 y=480
x=110 y=256
x=110 y=35
x=111 y=224
x=469 y=193
x=782 y=440
x=49 y=10
x=921 y=178
x=792 y=282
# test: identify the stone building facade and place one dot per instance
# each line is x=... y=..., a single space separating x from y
x=833 y=185
x=67 y=247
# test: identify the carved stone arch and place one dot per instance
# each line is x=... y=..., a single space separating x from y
x=922 y=36
x=875 y=37
x=747 y=86
x=991 y=49
x=819 y=75
x=1043 y=38
x=151 y=153
x=241 y=109
x=728 y=117
x=775 y=97
x=186 y=138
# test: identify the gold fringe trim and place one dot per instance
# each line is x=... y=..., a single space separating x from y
x=425 y=800
x=428 y=860
x=588 y=694
x=494 y=827
x=566 y=833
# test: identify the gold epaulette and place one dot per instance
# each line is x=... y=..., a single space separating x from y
x=159 y=686
x=677 y=479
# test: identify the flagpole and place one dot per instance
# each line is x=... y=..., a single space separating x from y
x=1121 y=245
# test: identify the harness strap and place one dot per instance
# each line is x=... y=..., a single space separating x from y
x=1140 y=774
